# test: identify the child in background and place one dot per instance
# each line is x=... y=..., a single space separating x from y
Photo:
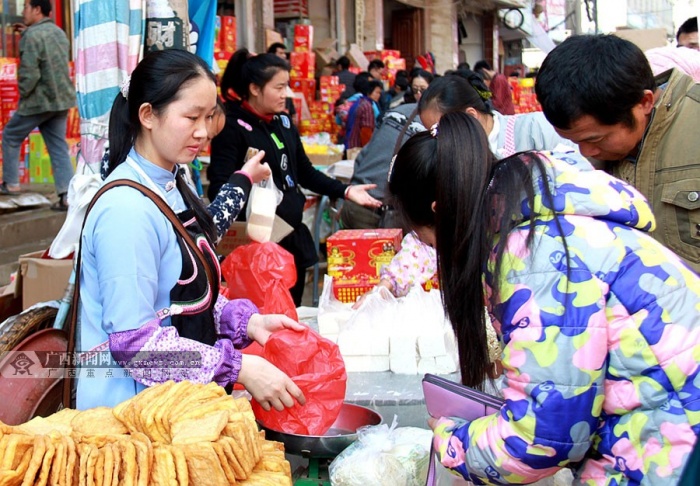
x=194 y=169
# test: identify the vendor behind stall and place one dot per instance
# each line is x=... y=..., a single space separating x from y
x=255 y=89
x=146 y=297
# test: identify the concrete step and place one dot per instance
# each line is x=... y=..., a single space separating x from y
x=9 y=257
x=28 y=226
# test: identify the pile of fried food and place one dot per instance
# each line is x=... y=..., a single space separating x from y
x=170 y=434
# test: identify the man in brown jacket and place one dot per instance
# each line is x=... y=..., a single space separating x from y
x=599 y=92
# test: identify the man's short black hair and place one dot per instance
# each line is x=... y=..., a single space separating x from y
x=603 y=76
x=375 y=64
x=46 y=7
x=343 y=63
x=687 y=27
x=274 y=46
x=480 y=65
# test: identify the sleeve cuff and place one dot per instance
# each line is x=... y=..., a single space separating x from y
x=345 y=192
x=242 y=180
x=234 y=321
x=229 y=366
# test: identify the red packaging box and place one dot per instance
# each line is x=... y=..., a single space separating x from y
x=8 y=69
x=307 y=87
x=327 y=81
x=303 y=64
x=227 y=35
x=355 y=258
x=303 y=38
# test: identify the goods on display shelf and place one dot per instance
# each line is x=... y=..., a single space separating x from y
x=355 y=258
x=303 y=65
x=303 y=38
x=172 y=433
x=524 y=97
x=321 y=150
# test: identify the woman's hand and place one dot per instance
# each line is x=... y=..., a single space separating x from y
x=260 y=326
x=359 y=195
x=270 y=387
x=256 y=168
x=383 y=286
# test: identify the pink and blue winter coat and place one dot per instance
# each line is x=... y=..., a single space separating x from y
x=601 y=366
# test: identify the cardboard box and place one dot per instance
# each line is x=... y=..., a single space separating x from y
x=325 y=159
x=357 y=57
x=42 y=279
x=645 y=39
x=325 y=53
x=356 y=257
x=235 y=236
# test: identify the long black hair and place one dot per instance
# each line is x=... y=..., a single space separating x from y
x=244 y=69
x=456 y=92
x=157 y=80
x=456 y=170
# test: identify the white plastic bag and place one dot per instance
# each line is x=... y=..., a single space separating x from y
x=83 y=186
x=261 y=209
x=382 y=452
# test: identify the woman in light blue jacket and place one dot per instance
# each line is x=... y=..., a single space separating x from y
x=507 y=134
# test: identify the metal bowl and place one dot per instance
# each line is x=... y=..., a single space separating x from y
x=342 y=433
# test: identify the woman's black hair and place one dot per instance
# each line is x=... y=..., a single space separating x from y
x=157 y=80
x=471 y=184
x=456 y=92
x=428 y=76
x=412 y=182
x=367 y=88
x=243 y=69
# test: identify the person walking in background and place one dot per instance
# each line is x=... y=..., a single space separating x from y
x=599 y=323
x=361 y=119
x=345 y=76
x=644 y=130
x=498 y=85
x=419 y=83
x=687 y=35
x=372 y=166
x=46 y=92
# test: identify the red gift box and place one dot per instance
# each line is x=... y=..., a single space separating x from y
x=303 y=38
x=227 y=35
x=302 y=64
x=355 y=258
x=307 y=87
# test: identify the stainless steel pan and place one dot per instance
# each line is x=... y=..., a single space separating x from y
x=342 y=433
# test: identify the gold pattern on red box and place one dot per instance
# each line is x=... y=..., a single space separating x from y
x=356 y=257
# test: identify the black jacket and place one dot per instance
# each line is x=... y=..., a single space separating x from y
x=242 y=130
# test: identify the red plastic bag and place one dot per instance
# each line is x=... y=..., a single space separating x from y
x=262 y=273
x=316 y=366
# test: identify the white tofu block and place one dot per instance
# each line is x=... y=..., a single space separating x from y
x=402 y=344
x=366 y=363
x=358 y=343
x=432 y=344
x=426 y=365
x=331 y=337
x=403 y=364
x=445 y=365
x=330 y=322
